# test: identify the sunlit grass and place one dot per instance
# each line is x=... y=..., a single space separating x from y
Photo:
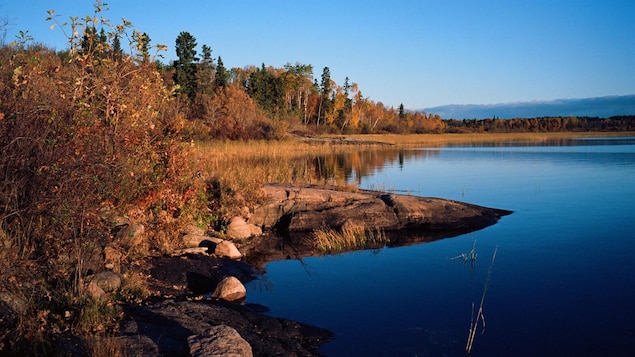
x=350 y=237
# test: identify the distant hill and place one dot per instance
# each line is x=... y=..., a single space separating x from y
x=590 y=107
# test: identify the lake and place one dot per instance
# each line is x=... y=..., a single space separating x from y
x=562 y=282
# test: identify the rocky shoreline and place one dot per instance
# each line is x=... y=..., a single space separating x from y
x=183 y=317
x=197 y=295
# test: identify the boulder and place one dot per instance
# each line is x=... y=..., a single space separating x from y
x=227 y=249
x=239 y=229
x=131 y=236
x=107 y=280
x=219 y=341
x=229 y=289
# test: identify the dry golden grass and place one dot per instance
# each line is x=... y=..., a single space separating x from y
x=351 y=237
x=246 y=165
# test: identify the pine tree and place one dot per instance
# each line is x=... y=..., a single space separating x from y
x=185 y=66
x=222 y=75
x=325 y=90
x=402 y=111
x=206 y=71
x=116 y=48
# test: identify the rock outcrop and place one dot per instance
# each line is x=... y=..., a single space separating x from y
x=291 y=208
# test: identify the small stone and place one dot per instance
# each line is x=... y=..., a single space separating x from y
x=227 y=249
x=229 y=289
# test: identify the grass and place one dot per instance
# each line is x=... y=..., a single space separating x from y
x=240 y=168
x=350 y=237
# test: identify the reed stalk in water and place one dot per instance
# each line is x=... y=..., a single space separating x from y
x=479 y=314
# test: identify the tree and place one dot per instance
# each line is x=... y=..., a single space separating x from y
x=402 y=111
x=222 y=75
x=143 y=45
x=185 y=66
x=325 y=90
x=89 y=40
x=116 y=53
x=206 y=71
x=299 y=82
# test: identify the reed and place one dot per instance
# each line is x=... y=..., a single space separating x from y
x=469 y=257
x=480 y=316
x=350 y=237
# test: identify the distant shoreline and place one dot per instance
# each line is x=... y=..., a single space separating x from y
x=450 y=138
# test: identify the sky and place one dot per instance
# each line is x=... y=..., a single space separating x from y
x=420 y=53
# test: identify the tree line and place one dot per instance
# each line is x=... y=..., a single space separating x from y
x=541 y=124
x=287 y=98
x=293 y=98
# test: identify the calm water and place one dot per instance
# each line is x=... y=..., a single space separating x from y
x=562 y=284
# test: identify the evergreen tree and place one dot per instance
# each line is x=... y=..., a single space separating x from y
x=185 y=66
x=143 y=45
x=325 y=90
x=402 y=111
x=222 y=75
x=88 y=40
x=206 y=71
x=102 y=37
x=116 y=48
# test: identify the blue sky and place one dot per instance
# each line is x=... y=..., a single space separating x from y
x=419 y=53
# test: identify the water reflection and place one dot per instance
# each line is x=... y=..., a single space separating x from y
x=353 y=167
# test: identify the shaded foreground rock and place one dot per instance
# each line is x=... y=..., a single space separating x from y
x=292 y=208
x=219 y=341
x=184 y=307
x=168 y=327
